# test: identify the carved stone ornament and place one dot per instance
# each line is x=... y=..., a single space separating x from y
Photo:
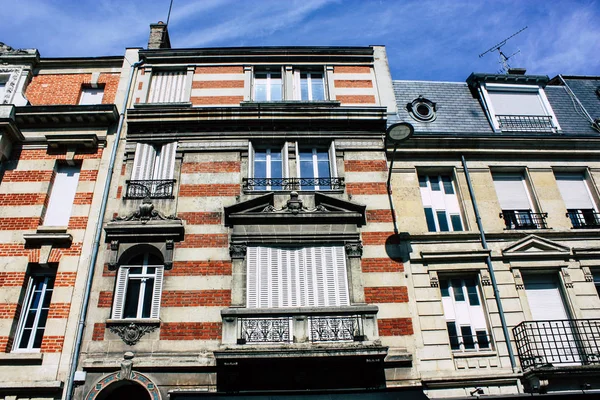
x=567 y=278
x=354 y=249
x=4 y=49
x=587 y=274
x=518 y=279
x=11 y=83
x=485 y=277
x=295 y=206
x=132 y=333
x=126 y=366
x=145 y=213
x=434 y=281
x=237 y=251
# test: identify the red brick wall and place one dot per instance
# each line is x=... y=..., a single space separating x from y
x=214 y=166
x=204 y=240
x=205 y=190
x=19 y=153
x=356 y=188
x=381 y=265
x=19 y=223
x=59 y=310
x=52 y=344
x=210 y=100
x=105 y=299
x=375 y=238
x=356 y=99
x=386 y=294
x=66 y=88
x=65 y=279
x=395 y=326
x=229 y=69
x=353 y=83
x=8 y=310
x=12 y=278
x=27 y=176
x=190 y=331
x=78 y=222
x=201 y=218
x=220 y=84
x=365 y=165
x=351 y=69
x=199 y=268
x=379 y=216
x=98 y=332
x=196 y=298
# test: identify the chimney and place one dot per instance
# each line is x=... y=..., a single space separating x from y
x=159 y=36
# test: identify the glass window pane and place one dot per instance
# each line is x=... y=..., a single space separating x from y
x=458 y=291
x=444 y=288
x=456 y=223
x=318 y=88
x=147 y=306
x=483 y=340
x=135 y=270
x=24 y=343
x=442 y=221
x=435 y=184
x=453 y=335
x=447 y=181
x=323 y=169
x=430 y=220
x=423 y=181
x=132 y=298
x=275 y=86
x=37 y=340
x=472 y=292
x=303 y=87
x=467 y=337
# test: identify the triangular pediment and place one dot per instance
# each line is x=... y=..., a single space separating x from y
x=533 y=245
x=327 y=210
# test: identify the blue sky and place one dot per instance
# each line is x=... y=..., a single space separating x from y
x=425 y=39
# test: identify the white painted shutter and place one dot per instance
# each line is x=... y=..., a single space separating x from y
x=250 y=160
x=167 y=87
x=120 y=292
x=517 y=103
x=284 y=160
x=143 y=162
x=63 y=193
x=544 y=297
x=157 y=292
x=263 y=281
x=165 y=162
x=332 y=162
x=511 y=191
x=252 y=266
x=574 y=191
x=341 y=276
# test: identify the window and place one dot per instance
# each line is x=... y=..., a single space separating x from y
x=268 y=86
x=296 y=277
x=168 y=87
x=515 y=201
x=34 y=313
x=519 y=108
x=310 y=85
x=62 y=195
x=138 y=288
x=581 y=209
x=440 y=202
x=316 y=167
x=153 y=170
x=268 y=167
x=90 y=95
x=465 y=317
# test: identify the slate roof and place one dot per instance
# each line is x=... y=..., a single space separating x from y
x=585 y=90
x=459 y=112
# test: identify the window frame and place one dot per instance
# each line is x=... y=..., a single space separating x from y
x=333 y=172
x=268 y=84
x=435 y=212
x=122 y=284
x=27 y=299
x=253 y=149
x=580 y=217
x=56 y=207
x=485 y=88
x=90 y=89
x=459 y=345
x=298 y=83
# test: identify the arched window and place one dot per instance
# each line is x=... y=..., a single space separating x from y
x=138 y=287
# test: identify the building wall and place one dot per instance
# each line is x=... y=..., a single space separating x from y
x=48 y=88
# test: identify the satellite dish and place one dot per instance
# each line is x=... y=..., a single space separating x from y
x=399 y=132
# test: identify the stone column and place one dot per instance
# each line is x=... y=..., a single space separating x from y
x=356 y=287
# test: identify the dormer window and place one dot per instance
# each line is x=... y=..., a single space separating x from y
x=518 y=108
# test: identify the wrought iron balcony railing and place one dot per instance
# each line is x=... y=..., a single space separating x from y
x=567 y=342
x=525 y=123
x=298 y=325
x=584 y=218
x=274 y=184
x=154 y=189
x=523 y=219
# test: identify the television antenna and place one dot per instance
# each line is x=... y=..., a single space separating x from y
x=503 y=57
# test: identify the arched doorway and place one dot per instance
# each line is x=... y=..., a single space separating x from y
x=124 y=390
x=111 y=387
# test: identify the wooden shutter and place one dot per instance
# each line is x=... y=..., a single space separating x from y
x=574 y=191
x=143 y=162
x=165 y=163
x=512 y=192
x=120 y=292
x=157 y=293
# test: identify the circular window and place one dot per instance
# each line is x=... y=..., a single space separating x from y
x=422 y=109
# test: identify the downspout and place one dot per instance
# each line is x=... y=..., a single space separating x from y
x=96 y=245
x=488 y=261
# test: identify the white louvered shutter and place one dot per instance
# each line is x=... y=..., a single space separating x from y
x=263 y=281
x=250 y=160
x=512 y=192
x=157 y=293
x=574 y=191
x=165 y=163
x=251 y=277
x=167 y=87
x=143 y=162
x=284 y=161
x=341 y=276
x=120 y=292
x=332 y=162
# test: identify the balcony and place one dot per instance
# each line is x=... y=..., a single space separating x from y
x=584 y=218
x=243 y=326
x=523 y=219
x=559 y=342
x=525 y=123
x=154 y=189
x=290 y=184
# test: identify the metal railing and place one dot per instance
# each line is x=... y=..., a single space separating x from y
x=265 y=330
x=475 y=342
x=525 y=123
x=584 y=218
x=154 y=189
x=336 y=329
x=552 y=342
x=523 y=219
x=274 y=184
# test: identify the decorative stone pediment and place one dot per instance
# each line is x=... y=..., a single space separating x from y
x=327 y=210
x=534 y=246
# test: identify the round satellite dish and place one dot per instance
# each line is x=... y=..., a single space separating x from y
x=399 y=132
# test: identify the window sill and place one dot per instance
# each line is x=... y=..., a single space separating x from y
x=183 y=104
x=21 y=358
x=136 y=321
x=49 y=235
x=291 y=103
x=472 y=354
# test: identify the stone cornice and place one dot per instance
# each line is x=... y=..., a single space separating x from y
x=66 y=116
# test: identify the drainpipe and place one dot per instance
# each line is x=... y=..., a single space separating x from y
x=488 y=261
x=96 y=245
